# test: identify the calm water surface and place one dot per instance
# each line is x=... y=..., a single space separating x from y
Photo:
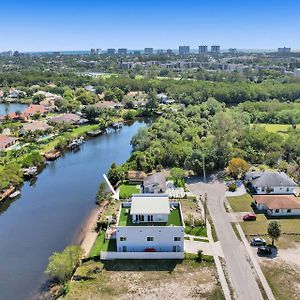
x=11 y=107
x=47 y=215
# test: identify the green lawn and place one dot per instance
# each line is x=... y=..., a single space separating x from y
x=260 y=226
x=198 y=231
x=240 y=203
x=126 y=190
x=102 y=245
x=98 y=245
x=277 y=128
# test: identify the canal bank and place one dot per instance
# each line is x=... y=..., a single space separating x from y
x=48 y=214
x=7 y=108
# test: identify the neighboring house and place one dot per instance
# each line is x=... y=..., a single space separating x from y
x=150 y=223
x=278 y=205
x=32 y=110
x=6 y=142
x=67 y=119
x=162 y=98
x=90 y=88
x=105 y=105
x=155 y=183
x=34 y=126
x=271 y=182
x=16 y=94
x=136 y=176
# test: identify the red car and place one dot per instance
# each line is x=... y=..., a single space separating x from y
x=249 y=217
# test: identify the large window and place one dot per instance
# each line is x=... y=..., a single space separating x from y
x=141 y=218
x=150 y=218
x=288 y=210
x=150 y=238
x=122 y=238
x=177 y=239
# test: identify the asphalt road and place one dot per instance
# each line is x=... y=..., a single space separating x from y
x=241 y=275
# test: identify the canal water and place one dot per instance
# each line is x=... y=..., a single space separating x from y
x=6 y=108
x=48 y=213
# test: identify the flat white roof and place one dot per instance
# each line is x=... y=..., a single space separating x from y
x=150 y=204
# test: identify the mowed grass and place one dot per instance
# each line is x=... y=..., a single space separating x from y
x=126 y=190
x=197 y=231
x=240 y=203
x=260 y=226
x=102 y=245
x=277 y=128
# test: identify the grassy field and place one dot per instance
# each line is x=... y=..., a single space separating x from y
x=102 y=245
x=283 y=279
x=240 y=203
x=198 y=231
x=260 y=227
x=278 y=128
x=126 y=190
x=146 y=279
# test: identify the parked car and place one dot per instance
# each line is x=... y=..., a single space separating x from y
x=257 y=242
x=249 y=217
x=263 y=250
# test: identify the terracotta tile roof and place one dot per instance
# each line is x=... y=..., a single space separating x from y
x=5 y=141
x=278 y=201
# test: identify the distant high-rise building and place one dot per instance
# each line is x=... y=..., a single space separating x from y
x=137 y=52
x=122 y=51
x=148 y=51
x=232 y=50
x=160 y=51
x=203 y=49
x=111 y=51
x=95 y=51
x=183 y=50
x=215 y=49
x=169 y=51
x=284 y=50
x=6 y=54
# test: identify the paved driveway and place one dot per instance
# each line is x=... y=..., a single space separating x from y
x=239 y=270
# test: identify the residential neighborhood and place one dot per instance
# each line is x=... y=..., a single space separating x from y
x=149 y=151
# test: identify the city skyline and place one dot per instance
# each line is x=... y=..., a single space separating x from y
x=58 y=26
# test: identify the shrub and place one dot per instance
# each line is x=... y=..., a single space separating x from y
x=232 y=187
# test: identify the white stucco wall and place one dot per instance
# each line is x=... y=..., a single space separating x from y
x=277 y=190
x=156 y=218
x=284 y=213
x=141 y=255
x=136 y=238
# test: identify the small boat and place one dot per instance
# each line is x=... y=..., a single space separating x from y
x=94 y=132
x=14 y=194
x=52 y=155
x=117 y=125
x=30 y=172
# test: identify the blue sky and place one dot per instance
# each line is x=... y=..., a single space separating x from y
x=42 y=25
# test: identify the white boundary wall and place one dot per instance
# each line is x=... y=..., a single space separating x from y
x=141 y=255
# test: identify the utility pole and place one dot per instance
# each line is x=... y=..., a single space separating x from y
x=203 y=166
x=204 y=207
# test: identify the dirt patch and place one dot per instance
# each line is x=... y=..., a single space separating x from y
x=283 y=278
x=184 y=280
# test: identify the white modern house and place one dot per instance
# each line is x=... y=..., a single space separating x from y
x=149 y=227
x=278 y=205
x=266 y=183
